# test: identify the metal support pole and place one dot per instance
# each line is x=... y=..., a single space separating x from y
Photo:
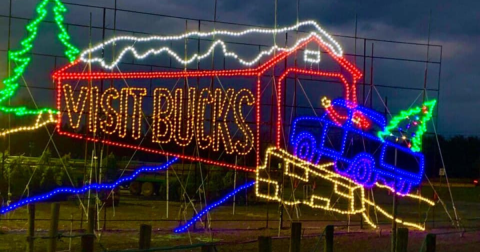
x=395 y=208
x=167 y=192
x=361 y=221
x=280 y=224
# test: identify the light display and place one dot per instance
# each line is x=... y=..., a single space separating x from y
x=248 y=99
x=75 y=106
x=312 y=56
x=415 y=118
x=361 y=166
x=22 y=57
x=167 y=122
x=350 y=91
x=71 y=190
x=343 y=187
x=180 y=116
x=166 y=109
x=318 y=171
x=110 y=124
x=192 y=221
x=358 y=119
x=318 y=33
x=39 y=122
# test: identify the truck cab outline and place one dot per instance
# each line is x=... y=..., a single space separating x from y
x=362 y=167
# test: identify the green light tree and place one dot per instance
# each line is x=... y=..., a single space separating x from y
x=409 y=126
x=22 y=57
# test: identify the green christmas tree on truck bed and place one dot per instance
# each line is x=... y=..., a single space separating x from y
x=409 y=126
x=22 y=57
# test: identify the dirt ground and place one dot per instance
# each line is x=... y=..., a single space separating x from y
x=239 y=231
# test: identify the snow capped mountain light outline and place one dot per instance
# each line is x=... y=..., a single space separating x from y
x=87 y=55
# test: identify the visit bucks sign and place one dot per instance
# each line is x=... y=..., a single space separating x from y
x=214 y=116
x=178 y=115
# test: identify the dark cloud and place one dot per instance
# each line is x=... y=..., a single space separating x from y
x=454 y=25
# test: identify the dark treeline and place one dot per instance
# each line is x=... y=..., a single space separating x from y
x=461 y=156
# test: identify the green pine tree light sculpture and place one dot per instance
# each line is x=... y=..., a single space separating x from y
x=21 y=58
x=409 y=126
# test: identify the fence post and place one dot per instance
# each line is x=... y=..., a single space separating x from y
x=264 y=244
x=208 y=248
x=328 y=239
x=145 y=236
x=91 y=220
x=31 y=227
x=295 y=236
x=53 y=232
x=402 y=240
x=430 y=243
x=87 y=243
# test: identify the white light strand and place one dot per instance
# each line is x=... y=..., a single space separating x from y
x=331 y=44
x=316 y=55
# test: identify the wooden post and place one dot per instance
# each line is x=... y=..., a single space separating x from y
x=430 y=243
x=31 y=227
x=208 y=248
x=264 y=244
x=295 y=236
x=87 y=243
x=91 y=220
x=53 y=232
x=145 y=236
x=328 y=239
x=402 y=240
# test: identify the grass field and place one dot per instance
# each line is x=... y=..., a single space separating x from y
x=239 y=231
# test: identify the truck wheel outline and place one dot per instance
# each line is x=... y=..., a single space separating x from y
x=304 y=141
x=363 y=169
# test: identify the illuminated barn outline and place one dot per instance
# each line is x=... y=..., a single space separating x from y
x=348 y=81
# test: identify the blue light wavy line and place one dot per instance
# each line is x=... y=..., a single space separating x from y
x=71 y=190
x=210 y=207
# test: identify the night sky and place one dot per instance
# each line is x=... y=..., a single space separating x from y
x=454 y=25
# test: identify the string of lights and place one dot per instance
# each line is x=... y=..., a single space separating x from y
x=70 y=190
x=426 y=112
x=168 y=122
x=318 y=171
x=318 y=34
x=22 y=58
x=40 y=122
x=360 y=120
x=316 y=56
x=116 y=122
x=192 y=221
x=343 y=187
x=362 y=167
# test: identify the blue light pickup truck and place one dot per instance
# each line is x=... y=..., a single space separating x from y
x=358 y=154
